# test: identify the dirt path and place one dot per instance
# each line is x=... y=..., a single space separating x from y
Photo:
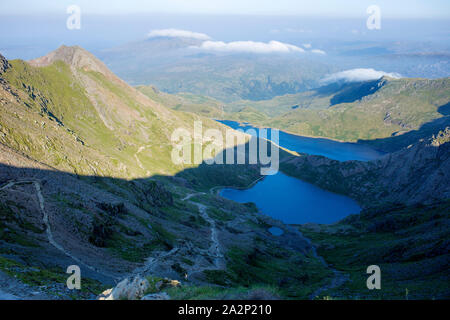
x=339 y=277
x=214 y=250
x=192 y=195
x=151 y=261
x=45 y=220
x=215 y=190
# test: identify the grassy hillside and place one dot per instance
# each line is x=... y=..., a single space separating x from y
x=365 y=111
x=188 y=102
x=70 y=112
x=314 y=99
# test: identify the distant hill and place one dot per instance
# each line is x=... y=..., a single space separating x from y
x=173 y=66
x=369 y=111
x=184 y=101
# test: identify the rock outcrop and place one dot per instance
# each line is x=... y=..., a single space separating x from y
x=157 y=195
x=127 y=289
x=4 y=64
x=138 y=288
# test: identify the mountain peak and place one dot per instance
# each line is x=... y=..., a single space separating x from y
x=74 y=56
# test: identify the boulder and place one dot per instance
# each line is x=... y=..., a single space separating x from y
x=166 y=283
x=127 y=289
x=4 y=64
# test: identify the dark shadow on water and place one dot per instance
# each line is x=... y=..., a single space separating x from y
x=444 y=109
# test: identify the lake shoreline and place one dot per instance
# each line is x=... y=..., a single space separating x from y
x=244 y=123
x=220 y=188
x=318 y=205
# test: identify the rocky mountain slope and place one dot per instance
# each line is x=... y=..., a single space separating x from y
x=70 y=111
x=409 y=243
x=86 y=178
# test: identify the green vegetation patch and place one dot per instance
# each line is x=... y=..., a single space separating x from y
x=15 y=229
x=409 y=244
x=37 y=276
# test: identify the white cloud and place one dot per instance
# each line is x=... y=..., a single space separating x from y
x=292 y=30
x=235 y=46
x=318 y=51
x=250 y=46
x=177 y=33
x=355 y=75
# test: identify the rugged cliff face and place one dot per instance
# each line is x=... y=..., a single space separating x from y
x=419 y=173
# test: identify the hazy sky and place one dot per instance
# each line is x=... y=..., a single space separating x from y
x=333 y=8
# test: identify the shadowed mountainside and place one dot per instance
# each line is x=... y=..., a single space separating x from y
x=114 y=227
x=86 y=178
x=416 y=174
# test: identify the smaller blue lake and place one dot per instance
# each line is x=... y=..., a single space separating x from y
x=294 y=201
x=276 y=231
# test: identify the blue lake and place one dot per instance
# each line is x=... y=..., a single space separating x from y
x=294 y=201
x=341 y=151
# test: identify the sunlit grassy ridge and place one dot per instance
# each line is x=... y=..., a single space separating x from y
x=185 y=101
x=74 y=117
x=372 y=110
x=362 y=111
